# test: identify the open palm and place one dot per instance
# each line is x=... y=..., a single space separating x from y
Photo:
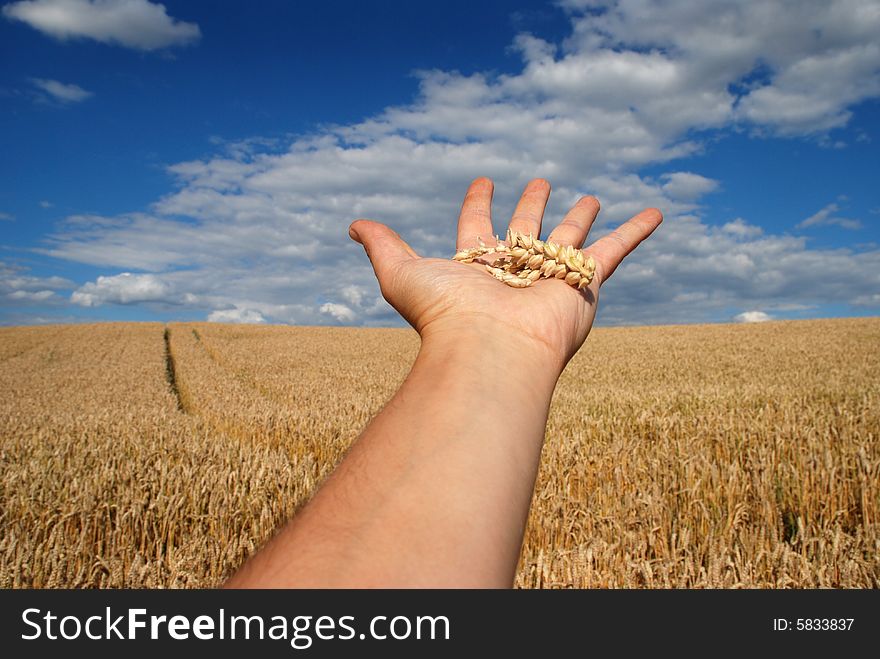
x=444 y=295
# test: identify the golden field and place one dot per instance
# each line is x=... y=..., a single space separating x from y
x=135 y=455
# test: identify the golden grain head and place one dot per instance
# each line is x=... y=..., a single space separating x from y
x=548 y=267
x=527 y=254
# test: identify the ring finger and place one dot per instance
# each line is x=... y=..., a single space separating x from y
x=576 y=224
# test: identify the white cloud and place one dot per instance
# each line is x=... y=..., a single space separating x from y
x=137 y=24
x=691 y=272
x=18 y=287
x=262 y=227
x=32 y=296
x=813 y=58
x=339 y=311
x=65 y=93
x=6 y=217
x=827 y=217
x=249 y=316
x=752 y=317
x=124 y=288
x=742 y=229
x=352 y=294
x=46 y=204
x=869 y=300
x=812 y=93
x=688 y=186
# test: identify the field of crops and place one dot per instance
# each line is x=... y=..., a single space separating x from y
x=140 y=455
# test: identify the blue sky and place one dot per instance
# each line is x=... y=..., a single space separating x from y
x=202 y=160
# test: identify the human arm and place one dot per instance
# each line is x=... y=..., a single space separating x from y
x=436 y=490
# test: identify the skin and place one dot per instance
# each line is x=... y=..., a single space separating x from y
x=436 y=490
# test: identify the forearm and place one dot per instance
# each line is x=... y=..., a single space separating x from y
x=436 y=491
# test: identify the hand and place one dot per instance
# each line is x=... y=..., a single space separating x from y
x=443 y=296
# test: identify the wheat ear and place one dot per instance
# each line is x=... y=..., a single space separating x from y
x=526 y=259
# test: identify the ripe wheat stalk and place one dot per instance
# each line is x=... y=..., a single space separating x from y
x=721 y=456
x=526 y=259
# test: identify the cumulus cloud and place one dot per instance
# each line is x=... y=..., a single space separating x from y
x=752 y=317
x=792 y=66
x=687 y=185
x=19 y=287
x=124 y=288
x=262 y=226
x=249 y=316
x=828 y=217
x=690 y=272
x=65 y=93
x=32 y=296
x=742 y=229
x=137 y=24
x=352 y=294
x=338 y=311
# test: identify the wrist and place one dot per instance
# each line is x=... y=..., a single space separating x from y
x=488 y=344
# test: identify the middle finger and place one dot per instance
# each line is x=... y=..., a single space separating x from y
x=530 y=209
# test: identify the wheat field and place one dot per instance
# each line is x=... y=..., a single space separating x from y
x=145 y=455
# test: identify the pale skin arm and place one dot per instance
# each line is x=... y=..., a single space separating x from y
x=436 y=490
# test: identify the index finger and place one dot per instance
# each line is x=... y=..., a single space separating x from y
x=613 y=248
x=475 y=219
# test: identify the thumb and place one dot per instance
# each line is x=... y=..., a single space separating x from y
x=385 y=249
